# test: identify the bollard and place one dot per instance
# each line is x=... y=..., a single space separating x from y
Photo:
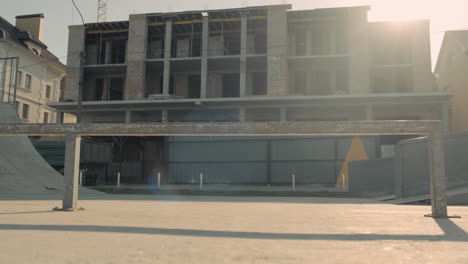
x=201 y=181
x=118 y=179
x=159 y=180
x=81 y=178
x=344 y=183
x=294 y=182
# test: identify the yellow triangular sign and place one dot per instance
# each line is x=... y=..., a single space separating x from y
x=356 y=152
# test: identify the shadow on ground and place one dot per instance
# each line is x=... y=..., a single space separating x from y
x=193 y=198
x=452 y=232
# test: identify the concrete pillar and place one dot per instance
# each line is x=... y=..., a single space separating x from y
x=243 y=54
x=277 y=50
x=72 y=168
x=309 y=42
x=369 y=112
x=437 y=176
x=167 y=57
x=89 y=91
x=283 y=114
x=421 y=57
x=76 y=35
x=204 y=58
x=242 y=112
x=136 y=55
x=331 y=37
x=309 y=89
x=108 y=53
x=106 y=89
x=445 y=118
x=358 y=49
x=164 y=115
x=128 y=116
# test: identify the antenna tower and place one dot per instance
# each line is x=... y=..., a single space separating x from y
x=102 y=11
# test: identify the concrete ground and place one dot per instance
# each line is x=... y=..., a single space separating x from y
x=171 y=229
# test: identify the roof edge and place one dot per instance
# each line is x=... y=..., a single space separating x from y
x=41 y=15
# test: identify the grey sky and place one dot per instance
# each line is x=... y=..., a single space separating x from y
x=444 y=14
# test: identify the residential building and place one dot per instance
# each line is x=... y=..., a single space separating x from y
x=39 y=73
x=254 y=64
x=452 y=75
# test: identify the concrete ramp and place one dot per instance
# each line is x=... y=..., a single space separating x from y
x=22 y=168
x=456 y=196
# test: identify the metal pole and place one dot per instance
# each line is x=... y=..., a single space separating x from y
x=344 y=183
x=16 y=80
x=118 y=179
x=159 y=180
x=294 y=182
x=201 y=181
x=4 y=67
x=11 y=80
x=82 y=55
x=81 y=178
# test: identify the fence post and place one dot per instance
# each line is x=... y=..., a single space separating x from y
x=294 y=182
x=118 y=179
x=344 y=183
x=81 y=178
x=201 y=181
x=159 y=180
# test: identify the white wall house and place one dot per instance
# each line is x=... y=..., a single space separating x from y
x=39 y=73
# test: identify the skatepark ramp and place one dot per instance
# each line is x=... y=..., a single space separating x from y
x=22 y=168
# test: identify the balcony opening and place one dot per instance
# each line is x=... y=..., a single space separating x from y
x=231 y=84
x=185 y=86
x=186 y=41
x=258 y=82
x=392 y=80
x=224 y=38
x=104 y=89
x=390 y=45
x=319 y=82
x=106 y=49
x=156 y=33
x=257 y=36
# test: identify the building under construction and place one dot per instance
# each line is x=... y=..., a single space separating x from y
x=255 y=64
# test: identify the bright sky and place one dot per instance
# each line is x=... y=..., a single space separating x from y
x=444 y=14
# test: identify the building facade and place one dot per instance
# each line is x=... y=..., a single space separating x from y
x=451 y=73
x=37 y=78
x=255 y=64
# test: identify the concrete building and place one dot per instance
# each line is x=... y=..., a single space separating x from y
x=39 y=74
x=252 y=64
x=451 y=73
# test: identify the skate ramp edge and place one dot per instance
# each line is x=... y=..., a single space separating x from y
x=22 y=169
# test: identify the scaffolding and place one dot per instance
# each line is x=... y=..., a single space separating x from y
x=102 y=11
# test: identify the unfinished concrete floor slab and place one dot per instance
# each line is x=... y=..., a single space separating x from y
x=171 y=229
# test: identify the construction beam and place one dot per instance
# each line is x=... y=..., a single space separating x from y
x=432 y=129
x=243 y=54
x=167 y=57
x=349 y=128
x=204 y=59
